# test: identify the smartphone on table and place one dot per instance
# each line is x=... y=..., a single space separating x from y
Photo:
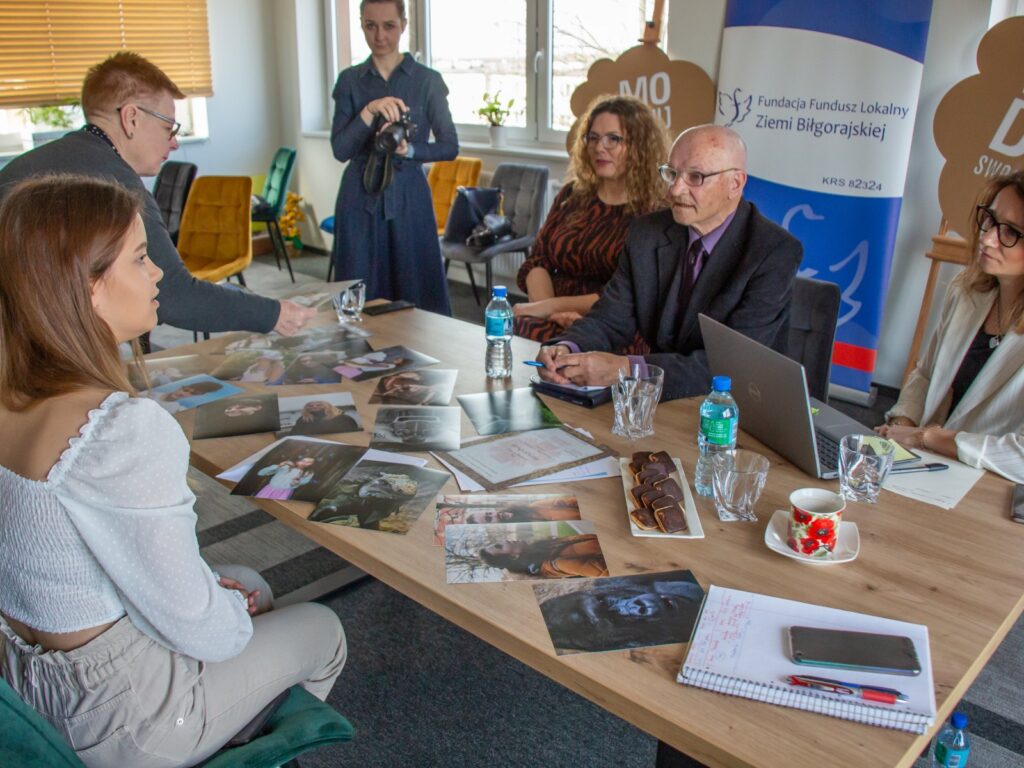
x=1017 y=505
x=865 y=651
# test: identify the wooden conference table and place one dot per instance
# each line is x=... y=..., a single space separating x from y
x=961 y=572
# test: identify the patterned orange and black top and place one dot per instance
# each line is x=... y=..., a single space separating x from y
x=579 y=245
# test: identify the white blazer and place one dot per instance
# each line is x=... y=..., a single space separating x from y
x=990 y=415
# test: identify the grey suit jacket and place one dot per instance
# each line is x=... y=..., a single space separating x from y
x=746 y=283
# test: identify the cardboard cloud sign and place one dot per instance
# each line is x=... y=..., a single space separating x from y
x=679 y=92
x=979 y=125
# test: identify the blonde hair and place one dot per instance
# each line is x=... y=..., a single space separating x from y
x=973 y=278
x=646 y=146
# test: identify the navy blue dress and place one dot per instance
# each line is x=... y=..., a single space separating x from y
x=390 y=238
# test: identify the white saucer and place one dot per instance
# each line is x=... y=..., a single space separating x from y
x=847 y=543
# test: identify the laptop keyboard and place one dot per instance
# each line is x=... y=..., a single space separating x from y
x=828 y=451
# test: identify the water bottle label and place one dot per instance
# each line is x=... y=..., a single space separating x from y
x=718 y=431
x=951 y=757
x=497 y=325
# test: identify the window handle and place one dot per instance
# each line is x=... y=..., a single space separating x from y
x=538 y=57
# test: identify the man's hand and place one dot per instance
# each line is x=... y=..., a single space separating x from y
x=592 y=369
x=292 y=318
x=552 y=358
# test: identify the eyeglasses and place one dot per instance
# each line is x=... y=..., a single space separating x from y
x=1008 y=235
x=690 y=177
x=175 y=125
x=607 y=141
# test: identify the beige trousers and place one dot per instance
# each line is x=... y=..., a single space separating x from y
x=125 y=700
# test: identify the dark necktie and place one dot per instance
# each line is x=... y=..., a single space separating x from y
x=695 y=256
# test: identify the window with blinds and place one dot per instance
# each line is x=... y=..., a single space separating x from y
x=46 y=46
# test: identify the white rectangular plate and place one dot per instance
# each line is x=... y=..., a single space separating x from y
x=693 y=526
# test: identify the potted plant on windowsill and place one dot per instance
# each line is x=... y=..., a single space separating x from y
x=495 y=114
x=52 y=121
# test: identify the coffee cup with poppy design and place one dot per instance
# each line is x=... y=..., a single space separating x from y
x=815 y=515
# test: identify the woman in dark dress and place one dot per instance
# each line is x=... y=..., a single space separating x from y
x=385 y=230
x=614 y=177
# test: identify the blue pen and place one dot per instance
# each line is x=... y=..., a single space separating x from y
x=930 y=467
x=534 y=363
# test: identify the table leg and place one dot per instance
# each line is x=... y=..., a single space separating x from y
x=669 y=757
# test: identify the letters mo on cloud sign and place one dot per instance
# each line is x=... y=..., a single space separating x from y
x=824 y=92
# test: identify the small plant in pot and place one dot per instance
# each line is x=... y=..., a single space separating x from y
x=495 y=113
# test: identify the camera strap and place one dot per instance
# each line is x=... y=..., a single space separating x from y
x=378 y=173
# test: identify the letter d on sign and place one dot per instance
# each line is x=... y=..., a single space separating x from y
x=998 y=143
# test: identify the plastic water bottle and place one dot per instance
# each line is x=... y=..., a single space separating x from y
x=951 y=749
x=719 y=420
x=498 y=329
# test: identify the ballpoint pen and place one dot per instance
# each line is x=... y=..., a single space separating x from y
x=866 y=692
x=534 y=363
x=933 y=466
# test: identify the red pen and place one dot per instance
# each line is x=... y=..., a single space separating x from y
x=866 y=692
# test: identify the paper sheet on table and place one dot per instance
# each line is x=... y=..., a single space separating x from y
x=943 y=489
x=242 y=468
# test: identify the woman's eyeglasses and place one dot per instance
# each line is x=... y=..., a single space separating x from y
x=175 y=125
x=1008 y=235
x=607 y=141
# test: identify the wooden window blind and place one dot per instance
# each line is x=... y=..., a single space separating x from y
x=47 y=46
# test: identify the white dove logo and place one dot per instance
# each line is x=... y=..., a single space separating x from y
x=733 y=106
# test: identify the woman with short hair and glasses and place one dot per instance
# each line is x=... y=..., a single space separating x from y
x=613 y=178
x=965 y=398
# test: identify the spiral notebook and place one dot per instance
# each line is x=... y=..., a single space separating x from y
x=740 y=647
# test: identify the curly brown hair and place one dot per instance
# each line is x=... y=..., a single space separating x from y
x=973 y=278
x=646 y=148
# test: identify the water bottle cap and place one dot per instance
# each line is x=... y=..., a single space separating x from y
x=959 y=720
x=721 y=383
x=500 y=292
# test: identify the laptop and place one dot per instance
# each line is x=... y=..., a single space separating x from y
x=775 y=407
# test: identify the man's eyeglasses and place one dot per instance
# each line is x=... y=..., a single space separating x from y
x=1008 y=235
x=175 y=125
x=690 y=177
x=607 y=141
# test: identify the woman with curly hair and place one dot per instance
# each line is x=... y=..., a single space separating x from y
x=613 y=177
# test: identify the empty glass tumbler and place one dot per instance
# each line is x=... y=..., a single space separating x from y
x=864 y=464
x=738 y=477
x=634 y=398
x=349 y=303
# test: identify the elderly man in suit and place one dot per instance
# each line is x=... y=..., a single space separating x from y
x=712 y=252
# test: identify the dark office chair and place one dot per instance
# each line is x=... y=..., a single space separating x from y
x=812 y=331
x=270 y=204
x=523 y=188
x=171 y=191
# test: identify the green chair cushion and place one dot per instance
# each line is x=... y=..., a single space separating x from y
x=27 y=739
x=301 y=723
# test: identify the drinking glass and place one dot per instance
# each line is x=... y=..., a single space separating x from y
x=738 y=477
x=864 y=464
x=349 y=303
x=634 y=398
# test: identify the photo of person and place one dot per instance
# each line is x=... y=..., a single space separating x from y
x=420 y=387
x=480 y=509
x=191 y=392
x=417 y=428
x=253 y=366
x=380 y=362
x=240 y=415
x=319 y=414
x=620 y=612
x=333 y=338
x=313 y=368
x=507 y=410
x=522 y=551
x=300 y=470
x=164 y=370
x=381 y=496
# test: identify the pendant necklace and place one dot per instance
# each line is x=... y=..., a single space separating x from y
x=998 y=335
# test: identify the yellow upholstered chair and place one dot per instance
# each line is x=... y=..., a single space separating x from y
x=215 y=241
x=445 y=177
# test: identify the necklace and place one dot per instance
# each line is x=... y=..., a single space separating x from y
x=998 y=335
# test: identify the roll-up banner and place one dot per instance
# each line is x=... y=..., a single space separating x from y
x=824 y=92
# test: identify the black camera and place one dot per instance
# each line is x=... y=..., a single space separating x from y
x=401 y=130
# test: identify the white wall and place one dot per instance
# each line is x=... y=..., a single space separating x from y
x=694 y=33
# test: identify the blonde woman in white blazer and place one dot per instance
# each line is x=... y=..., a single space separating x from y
x=965 y=398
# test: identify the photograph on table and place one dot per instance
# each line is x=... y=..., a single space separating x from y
x=522 y=551
x=321 y=414
x=164 y=370
x=620 y=612
x=316 y=367
x=507 y=410
x=299 y=470
x=239 y=415
x=416 y=428
x=483 y=508
x=370 y=365
x=333 y=338
x=255 y=366
x=420 y=387
x=381 y=496
x=191 y=393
